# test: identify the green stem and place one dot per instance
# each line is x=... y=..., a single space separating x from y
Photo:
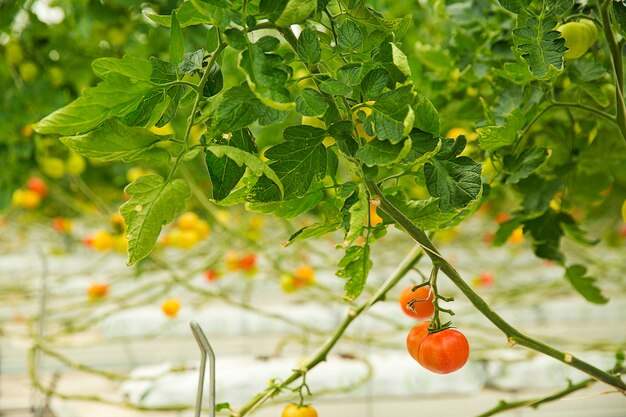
x=322 y=353
x=514 y=336
x=617 y=64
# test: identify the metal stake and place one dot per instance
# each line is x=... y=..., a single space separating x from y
x=205 y=350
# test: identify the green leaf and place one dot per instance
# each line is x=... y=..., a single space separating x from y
x=374 y=83
x=426 y=116
x=359 y=215
x=585 y=285
x=541 y=46
x=153 y=203
x=392 y=115
x=355 y=266
x=288 y=12
x=115 y=141
x=496 y=137
x=297 y=161
x=546 y=231
x=349 y=36
x=177 y=43
x=382 y=152
x=538 y=192
x=214 y=12
x=241 y=158
x=133 y=68
x=342 y=131
x=515 y=6
x=619 y=11
x=225 y=172
x=192 y=61
x=423 y=147
x=266 y=75
x=400 y=61
x=291 y=208
x=308 y=46
x=115 y=96
x=456 y=181
x=311 y=103
x=523 y=165
x=236 y=38
x=335 y=87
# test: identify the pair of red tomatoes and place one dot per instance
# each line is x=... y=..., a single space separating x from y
x=442 y=352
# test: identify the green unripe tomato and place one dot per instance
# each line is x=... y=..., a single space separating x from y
x=14 y=54
x=75 y=164
x=28 y=71
x=53 y=167
x=57 y=78
x=579 y=37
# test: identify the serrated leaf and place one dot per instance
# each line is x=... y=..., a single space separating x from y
x=426 y=116
x=359 y=213
x=400 y=60
x=311 y=103
x=541 y=46
x=423 y=147
x=342 y=131
x=192 y=61
x=355 y=266
x=177 y=43
x=515 y=6
x=115 y=96
x=288 y=12
x=308 y=47
x=241 y=158
x=392 y=116
x=455 y=182
x=335 y=87
x=585 y=285
x=495 y=137
x=133 y=68
x=523 y=165
x=153 y=203
x=115 y=141
x=382 y=152
x=214 y=12
x=266 y=77
x=349 y=36
x=224 y=172
x=374 y=83
x=291 y=208
x=297 y=161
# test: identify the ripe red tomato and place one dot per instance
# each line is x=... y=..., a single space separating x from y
x=423 y=307
x=37 y=185
x=444 y=352
x=415 y=338
x=211 y=275
x=293 y=410
x=247 y=262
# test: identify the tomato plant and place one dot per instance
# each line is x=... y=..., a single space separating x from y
x=348 y=121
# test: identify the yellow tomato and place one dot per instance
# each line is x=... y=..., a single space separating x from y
x=375 y=219
x=203 y=229
x=184 y=239
x=171 y=307
x=624 y=211
x=196 y=132
x=188 y=220
x=293 y=410
x=27 y=199
x=120 y=244
x=517 y=236
x=359 y=126
x=118 y=223
x=97 y=290
x=102 y=241
x=134 y=173
x=287 y=283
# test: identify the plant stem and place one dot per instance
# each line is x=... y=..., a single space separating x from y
x=322 y=353
x=617 y=64
x=514 y=336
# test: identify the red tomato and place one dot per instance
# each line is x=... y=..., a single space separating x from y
x=415 y=338
x=423 y=307
x=211 y=275
x=247 y=262
x=444 y=352
x=502 y=217
x=37 y=185
x=293 y=410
